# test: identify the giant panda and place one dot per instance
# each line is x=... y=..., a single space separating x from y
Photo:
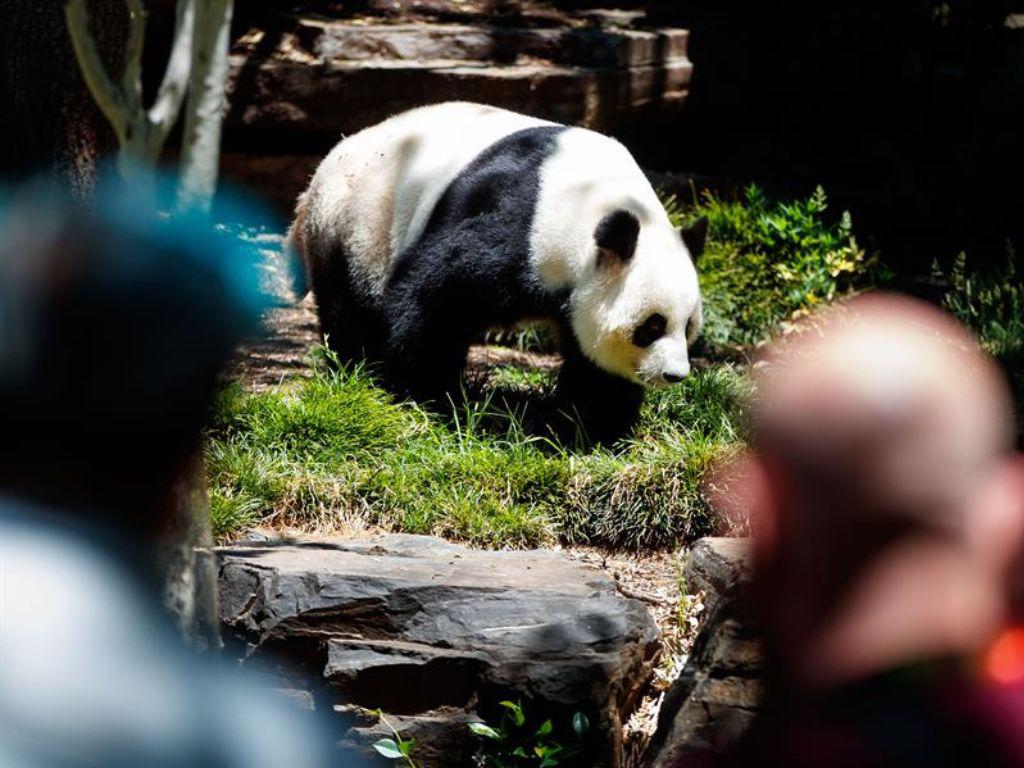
x=423 y=231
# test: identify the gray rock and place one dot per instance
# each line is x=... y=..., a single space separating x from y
x=719 y=567
x=303 y=82
x=436 y=634
x=719 y=691
x=440 y=735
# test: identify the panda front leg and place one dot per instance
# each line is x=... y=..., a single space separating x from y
x=596 y=406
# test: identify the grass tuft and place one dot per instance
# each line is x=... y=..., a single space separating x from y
x=288 y=457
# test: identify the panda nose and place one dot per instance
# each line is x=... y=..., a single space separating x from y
x=673 y=378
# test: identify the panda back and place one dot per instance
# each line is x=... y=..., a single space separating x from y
x=374 y=194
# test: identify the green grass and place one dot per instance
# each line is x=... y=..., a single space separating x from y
x=514 y=377
x=990 y=302
x=336 y=449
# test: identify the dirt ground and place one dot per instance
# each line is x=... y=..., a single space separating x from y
x=283 y=353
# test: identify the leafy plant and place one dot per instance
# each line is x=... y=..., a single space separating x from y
x=768 y=261
x=990 y=303
x=517 y=742
x=395 y=748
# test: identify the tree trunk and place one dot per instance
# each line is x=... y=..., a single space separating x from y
x=186 y=560
x=141 y=131
x=204 y=109
x=49 y=121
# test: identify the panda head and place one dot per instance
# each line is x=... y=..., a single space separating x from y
x=638 y=307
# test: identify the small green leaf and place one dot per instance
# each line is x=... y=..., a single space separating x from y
x=518 y=716
x=389 y=749
x=483 y=729
x=554 y=751
x=406 y=745
x=580 y=724
x=545 y=728
x=520 y=752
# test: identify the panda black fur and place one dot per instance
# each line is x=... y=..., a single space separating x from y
x=423 y=231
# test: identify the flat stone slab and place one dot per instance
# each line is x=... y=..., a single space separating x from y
x=434 y=633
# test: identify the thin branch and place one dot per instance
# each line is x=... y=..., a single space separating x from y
x=171 y=94
x=131 y=78
x=627 y=592
x=110 y=99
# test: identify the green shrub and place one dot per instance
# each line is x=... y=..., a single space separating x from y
x=990 y=303
x=395 y=747
x=767 y=262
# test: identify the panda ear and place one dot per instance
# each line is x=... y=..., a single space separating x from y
x=695 y=236
x=616 y=237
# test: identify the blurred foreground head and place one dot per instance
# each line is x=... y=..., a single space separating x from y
x=114 y=323
x=887 y=505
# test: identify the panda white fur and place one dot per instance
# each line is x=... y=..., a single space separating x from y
x=422 y=231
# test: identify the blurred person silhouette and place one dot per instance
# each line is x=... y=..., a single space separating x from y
x=887 y=507
x=114 y=324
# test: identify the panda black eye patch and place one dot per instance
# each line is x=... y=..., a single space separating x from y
x=650 y=330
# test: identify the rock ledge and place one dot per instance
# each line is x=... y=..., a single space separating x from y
x=436 y=634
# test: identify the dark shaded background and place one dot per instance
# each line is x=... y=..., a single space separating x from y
x=909 y=112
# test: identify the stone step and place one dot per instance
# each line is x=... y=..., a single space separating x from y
x=290 y=94
x=333 y=40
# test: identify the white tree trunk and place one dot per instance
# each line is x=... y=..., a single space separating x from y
x=204 y=111
x=171 y=94
x=141 y=133
x=112 y=101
